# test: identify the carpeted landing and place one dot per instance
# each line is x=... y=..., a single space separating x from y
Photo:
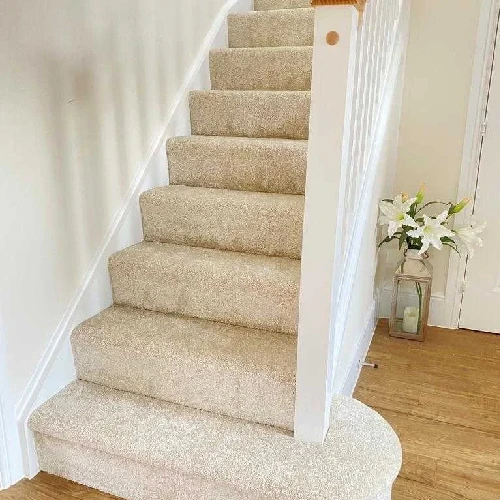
x=186 y=385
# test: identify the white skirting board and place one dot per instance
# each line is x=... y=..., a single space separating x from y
x=56 y=367
x=351 y=378
x=11 y=463
x=10 y=449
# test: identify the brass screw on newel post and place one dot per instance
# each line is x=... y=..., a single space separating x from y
x=332 y=38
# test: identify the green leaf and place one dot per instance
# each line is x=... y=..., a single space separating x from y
x=455 y=209
x=389 y=239
x=454 y=247
x=385 y=240
x=420 y=195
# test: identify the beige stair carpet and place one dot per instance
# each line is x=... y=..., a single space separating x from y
x=233 y=366
x=188 y=454
x=186 y=384
x=238 y=163
x=281 y=4
x=276 y=114
x=267 y=68
x=254 y=291
x=259 y=223
x=272 y=28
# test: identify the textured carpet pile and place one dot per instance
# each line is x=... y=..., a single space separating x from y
x=186 y=385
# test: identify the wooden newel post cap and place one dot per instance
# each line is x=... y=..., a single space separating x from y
x=359 y=4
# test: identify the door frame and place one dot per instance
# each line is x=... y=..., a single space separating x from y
x=474 y=132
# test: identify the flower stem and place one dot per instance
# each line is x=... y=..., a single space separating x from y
x=419 y=293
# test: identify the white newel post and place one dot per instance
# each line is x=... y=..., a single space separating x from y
x=332 y=88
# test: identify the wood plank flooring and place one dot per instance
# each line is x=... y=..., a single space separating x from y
x=443 y=399
x=45 y=487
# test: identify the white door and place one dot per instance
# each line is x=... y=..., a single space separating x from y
x=481 y=299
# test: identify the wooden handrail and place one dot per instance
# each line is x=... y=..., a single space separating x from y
x=359 y=4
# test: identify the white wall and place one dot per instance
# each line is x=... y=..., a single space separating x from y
x=85 y=90
x=436 y=95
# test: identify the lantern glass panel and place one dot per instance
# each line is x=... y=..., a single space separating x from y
x=411 y=297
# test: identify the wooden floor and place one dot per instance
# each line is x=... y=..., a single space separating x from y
x=443 y=399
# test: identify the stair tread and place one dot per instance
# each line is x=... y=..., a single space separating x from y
x=281 y=4
x=250 y=113
x=255 y=291
x=261 y=68
x=239 y=163
x=361 y=456
x=196 y=363
x=260 y=223
x=239 y=94
x=261 y=51
x=248 y=142
x=164 y=335
x=272 y=28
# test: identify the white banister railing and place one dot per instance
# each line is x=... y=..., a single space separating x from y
x=356 y=61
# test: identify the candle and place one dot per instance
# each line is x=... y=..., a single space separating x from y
x=410 y=321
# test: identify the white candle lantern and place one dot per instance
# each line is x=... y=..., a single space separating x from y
x=411 y=297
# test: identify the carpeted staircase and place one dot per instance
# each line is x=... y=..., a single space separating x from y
x=177 y=378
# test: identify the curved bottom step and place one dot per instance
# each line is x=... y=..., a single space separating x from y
x=135 y=481
x=140 y=448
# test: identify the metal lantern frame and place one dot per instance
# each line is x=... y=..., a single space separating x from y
x=425 y=282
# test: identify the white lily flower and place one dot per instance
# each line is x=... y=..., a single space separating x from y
x=467 y=237
x=432 y=231
x=396 y=214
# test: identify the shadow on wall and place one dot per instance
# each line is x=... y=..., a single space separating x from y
x=97 y=127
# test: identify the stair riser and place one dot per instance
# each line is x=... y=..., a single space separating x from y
x=197 y=383
x=230 y=291
x=281 y=4
x=272 y=69
x=274 y=28
x=260 y=166
x=283 y=115
x=126 y=478
x=131 y=480
x=255 y=223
